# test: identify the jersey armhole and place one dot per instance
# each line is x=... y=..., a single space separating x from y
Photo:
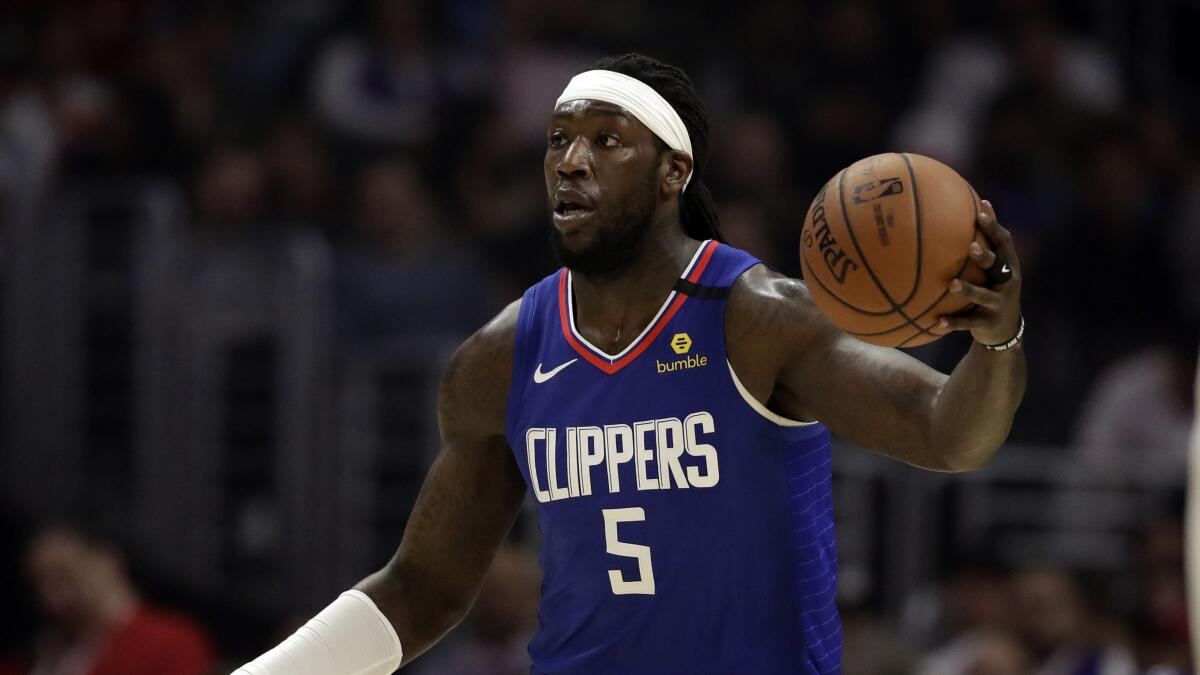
x=761 y=409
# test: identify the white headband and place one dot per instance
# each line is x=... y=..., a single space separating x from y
x=639 y=98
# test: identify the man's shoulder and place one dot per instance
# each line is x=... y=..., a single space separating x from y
x=489 y=351
x=763 y=300
x=769 y=322
x=474 y=390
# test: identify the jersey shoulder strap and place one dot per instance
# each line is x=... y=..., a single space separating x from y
x=724 y=268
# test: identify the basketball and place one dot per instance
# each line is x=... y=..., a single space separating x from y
x=881 y=243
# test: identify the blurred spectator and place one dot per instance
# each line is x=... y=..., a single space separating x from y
x=747 y=226
x=396 y=84
x=1137 y=420
x=1161 y=623
x=998 y=654
x=539 y=47
x=68 y=58
x=501 y=623
x=1052 y=620
x=977 y=614
x=501 y=202
x=1106 y=272
x=1023 y=172
x=95 y=622
x=91 y=129
x=29 y=144
x=1163 y=142
x=762 y=208
x=765 y=61
x=402 y=275
x=871 y=646
x=230 y=191
x=175 y=81
x=249 y=278
x=272 y=49
x=298 y=173
x=750 y=158
x=967 y=73
x=845 y=116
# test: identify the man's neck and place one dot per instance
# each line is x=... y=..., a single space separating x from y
x=612 y=310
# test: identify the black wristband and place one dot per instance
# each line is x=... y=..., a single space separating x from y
x=1016 y=339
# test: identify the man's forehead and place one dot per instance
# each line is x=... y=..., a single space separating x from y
x=586 y=107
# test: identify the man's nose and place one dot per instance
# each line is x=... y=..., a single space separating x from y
x=576 y=162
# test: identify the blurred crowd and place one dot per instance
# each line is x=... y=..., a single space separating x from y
x=407 y=134
x=988 y=619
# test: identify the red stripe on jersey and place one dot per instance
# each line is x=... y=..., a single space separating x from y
x=603 y=363
x=587 y=354
x=698 y=270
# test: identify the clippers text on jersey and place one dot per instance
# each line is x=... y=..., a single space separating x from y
x=656 y=454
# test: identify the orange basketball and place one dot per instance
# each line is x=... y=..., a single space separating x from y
x=881 y=243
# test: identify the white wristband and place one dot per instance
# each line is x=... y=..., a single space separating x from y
x=349 y=637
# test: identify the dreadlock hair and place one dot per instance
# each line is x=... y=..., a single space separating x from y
x=696 y=209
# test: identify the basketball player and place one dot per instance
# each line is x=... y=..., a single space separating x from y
x=659 y=398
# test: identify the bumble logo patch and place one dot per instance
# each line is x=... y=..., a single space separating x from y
x=681 y=343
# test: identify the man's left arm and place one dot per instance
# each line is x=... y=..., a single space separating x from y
x=974 y=409
x=882 y=398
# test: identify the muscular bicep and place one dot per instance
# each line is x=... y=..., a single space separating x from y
x=879 y=398
x=466 y=505
x=799 y=365
x=474 y=488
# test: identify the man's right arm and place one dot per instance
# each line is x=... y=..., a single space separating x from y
x=466 y=506
x=467 y=503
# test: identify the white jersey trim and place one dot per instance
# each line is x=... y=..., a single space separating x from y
x=759 y=407
x=667 y=303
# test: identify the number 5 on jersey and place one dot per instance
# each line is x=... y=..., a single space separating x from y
x=620 y=586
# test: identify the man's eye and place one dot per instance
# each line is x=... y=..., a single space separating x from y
x=557 y=140
x=608 y=141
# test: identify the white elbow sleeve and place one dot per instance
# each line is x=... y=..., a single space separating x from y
x=349 y=637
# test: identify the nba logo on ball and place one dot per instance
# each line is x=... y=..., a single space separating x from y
x=872 y=190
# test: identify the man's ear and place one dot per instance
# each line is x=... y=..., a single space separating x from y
x=678 y=168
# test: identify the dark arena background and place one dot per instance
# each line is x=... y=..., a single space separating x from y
x=239 y=241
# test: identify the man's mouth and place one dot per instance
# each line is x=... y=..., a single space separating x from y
x=568 y=213
x=567 y=207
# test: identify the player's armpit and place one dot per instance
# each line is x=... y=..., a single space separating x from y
x=468 y=501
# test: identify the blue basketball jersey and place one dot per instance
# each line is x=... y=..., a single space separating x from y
x=686 y=528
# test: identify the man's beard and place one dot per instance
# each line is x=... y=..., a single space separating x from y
x=614 y=247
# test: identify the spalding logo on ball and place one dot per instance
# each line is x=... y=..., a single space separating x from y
x=832 y=254
x=881 y=243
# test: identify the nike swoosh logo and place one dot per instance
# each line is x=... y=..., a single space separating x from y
x=540 y=377
x=1004 y=269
